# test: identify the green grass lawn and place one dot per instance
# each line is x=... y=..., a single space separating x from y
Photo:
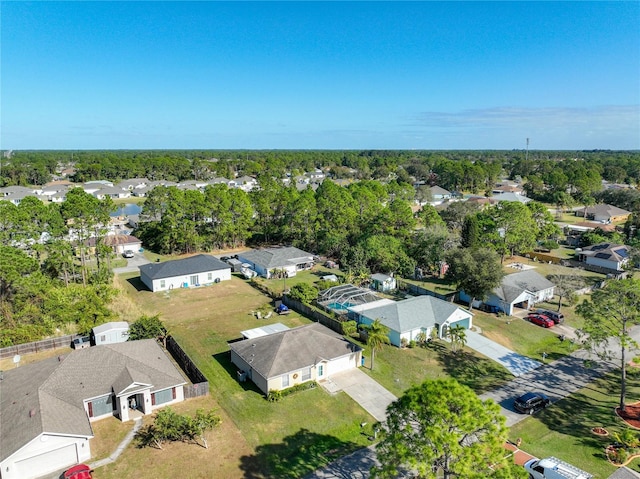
x=522 y=336
x=564 y=430
x=289 y=438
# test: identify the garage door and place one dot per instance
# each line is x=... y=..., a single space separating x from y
x=341 y=364
x=47 y=462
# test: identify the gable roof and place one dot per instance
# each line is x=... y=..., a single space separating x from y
x=413 y=313
x=607 y=251
x=200 y=263
x=293 y=349
x=438 y=190
x=103 y=328
x=277 y=257
x=511 y=197
x=606 y=210
x=513 y=285
x=48 y=396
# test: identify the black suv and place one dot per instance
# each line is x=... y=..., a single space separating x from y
x=531 y=402
x=555 y=316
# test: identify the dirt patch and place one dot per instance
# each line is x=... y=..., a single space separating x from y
x=630 y=415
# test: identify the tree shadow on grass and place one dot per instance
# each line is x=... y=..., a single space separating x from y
x=480 y=374
x=301 y=454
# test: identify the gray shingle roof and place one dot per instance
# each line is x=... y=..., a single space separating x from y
x=291 y=350
x=413 y=313
x=513 y=285
x=53 y=390
x=605 y=210
x=610 y=251
x=276 y=257
x=180 y=267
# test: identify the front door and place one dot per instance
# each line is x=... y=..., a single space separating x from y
x=320 y=371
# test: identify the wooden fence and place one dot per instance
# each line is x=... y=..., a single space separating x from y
x=200 y=386
x=314 y=313
x=544 y=257
x=37 y=346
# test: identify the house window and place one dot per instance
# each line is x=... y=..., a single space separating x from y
x=194 y=280
x=209 y=276
x=101 y=406
x=285 y=381
x=306 y=374
x=164 y=396
x=320 y=370
x=162 y=283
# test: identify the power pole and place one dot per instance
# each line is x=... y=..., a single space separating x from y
x=526 y=156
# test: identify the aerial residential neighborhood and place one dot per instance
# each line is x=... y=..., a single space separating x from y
x=320 y=240
x=280 y=324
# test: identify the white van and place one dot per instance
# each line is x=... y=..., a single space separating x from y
x=554 y=468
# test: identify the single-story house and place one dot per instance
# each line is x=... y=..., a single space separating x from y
x=574 y=232
x=118 y=243
x=523 y=289
x=605 y=255
x=439 y=193
x=268 y=260
x=109 y=333
x=383 y=282
x=604 y=213
x=509 y=196
x=409 y=318
x=507 y=188
x=283 y=359
x=47 y=407
x=199 y=270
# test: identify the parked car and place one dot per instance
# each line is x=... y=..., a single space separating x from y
x=531 y=402
x=127 y=253
x=555 y=316
x=225 y=258
x=554 y=468
x=81 y=471
x=541 y=320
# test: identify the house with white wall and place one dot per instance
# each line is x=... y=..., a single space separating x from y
x=195 y=271
x=47 y=407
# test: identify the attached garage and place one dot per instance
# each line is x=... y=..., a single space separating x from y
x=342 y=364
x=44 y=455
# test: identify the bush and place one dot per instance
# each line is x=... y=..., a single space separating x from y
x=275 y=396
x=303 y=292
x=549 y=244
x=412 y=343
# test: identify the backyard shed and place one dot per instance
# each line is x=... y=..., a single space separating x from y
x=110 y=333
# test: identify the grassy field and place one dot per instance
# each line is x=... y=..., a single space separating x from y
x=564 y=430
x=284 y=438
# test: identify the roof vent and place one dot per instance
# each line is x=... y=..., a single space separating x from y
x=32 y=412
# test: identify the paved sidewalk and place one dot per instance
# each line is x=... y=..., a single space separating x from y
x=515 y=363
x=364 y=390
x=121 y=447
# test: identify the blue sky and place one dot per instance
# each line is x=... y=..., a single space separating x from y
x=328 y=75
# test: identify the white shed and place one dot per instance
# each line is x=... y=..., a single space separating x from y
x=109 y=333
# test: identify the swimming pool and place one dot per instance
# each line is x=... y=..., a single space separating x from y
x=340 y=306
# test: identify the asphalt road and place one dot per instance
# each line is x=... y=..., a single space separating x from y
x=557 y=379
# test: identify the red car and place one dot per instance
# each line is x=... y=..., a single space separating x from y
x=81 y=471
x=541 y=320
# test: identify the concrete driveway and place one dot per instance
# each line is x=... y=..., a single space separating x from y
x=515 y=363
x=364 y=390
x=132 y=264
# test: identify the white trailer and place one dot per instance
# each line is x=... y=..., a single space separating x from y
x=554 y=468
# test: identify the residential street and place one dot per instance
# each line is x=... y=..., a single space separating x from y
x=557 y=380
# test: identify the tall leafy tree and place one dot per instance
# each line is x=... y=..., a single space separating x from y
x=608 y=317
x=441 y=429
x=475 y=271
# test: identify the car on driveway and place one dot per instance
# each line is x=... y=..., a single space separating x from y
x=128 y=253
x=531 y=402
x=555 y=316
x=81 y=471
x=541 y=320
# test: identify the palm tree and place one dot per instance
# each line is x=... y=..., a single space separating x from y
x=377 y=336
x=458 y=337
